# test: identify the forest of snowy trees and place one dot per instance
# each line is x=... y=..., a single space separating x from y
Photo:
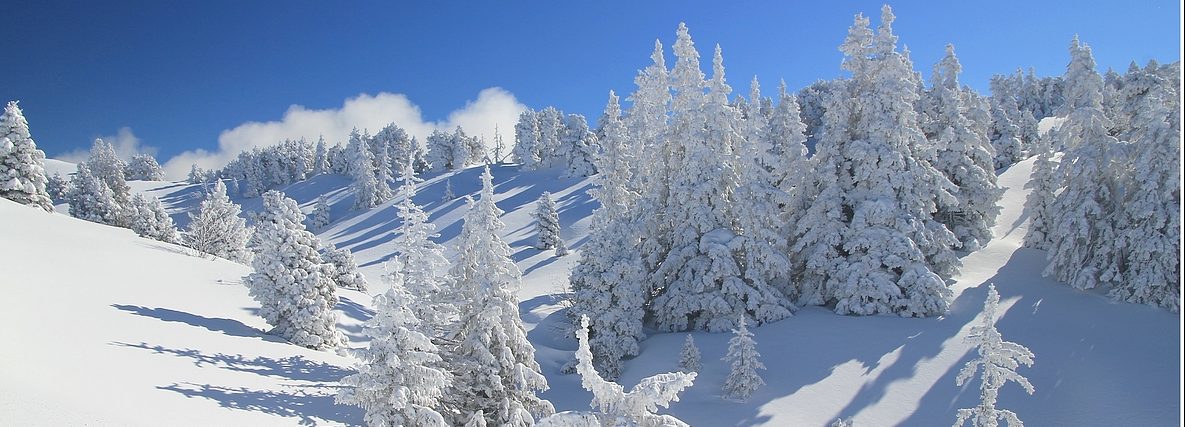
x=717 y=212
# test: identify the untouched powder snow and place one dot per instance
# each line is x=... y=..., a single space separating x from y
x=111 y=329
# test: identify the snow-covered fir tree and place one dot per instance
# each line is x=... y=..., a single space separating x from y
x=689 y=356
x=400 y=378
x=526 y=140
x=90 y=198
x=494 y=364
x=868 y=241
x=440 y=151
x=365 y=185
x=217 y=229
x=57 y=187
x=1083 y=248
x=420 y=261
x=1005 y=133
x=965 y=156
x=448 y=191
x=382 y=170
x=547 y=223
x=996 y=365
x=616 y=407
x=321 y=214
x=1044 y=185
x=577 y=148
x=500 y=153
x=22 y=165
x=551 y=130
x=1150 y=218
x=345 y=269
x=293 y=285
x=107 y=167
x=607 y=281
x=320 y=157
x=150 y=220
x=143 y=167
x=743 y=361
x=196 y=175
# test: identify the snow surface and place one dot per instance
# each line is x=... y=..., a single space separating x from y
x=106 y=328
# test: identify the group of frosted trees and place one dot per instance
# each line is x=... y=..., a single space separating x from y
x=549 y=139
x=712 y=214
x=1106 y=187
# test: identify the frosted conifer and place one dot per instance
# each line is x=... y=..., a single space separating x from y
x=744 y=361
x=291 y=282
x=578 y=147
x=90 y=198
x=22 y=165
x=144 y=167
x=196 y=175
x=321 y=214
x=526 y=140
x=150 y=219
x=107 y=167
x=345 y=269
x=547 y=223
x=365 y=185
x=997 y=363
x=321 y=157
x=217 y=229
x=689 y=356
x=421 y=262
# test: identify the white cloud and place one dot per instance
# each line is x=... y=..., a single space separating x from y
x=493 y=106
x=125 y=142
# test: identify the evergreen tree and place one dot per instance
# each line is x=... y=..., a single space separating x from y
x=321 y=214
x=997 y=363
x=440 y=151
x=382 y=174
x=578 y=147
x=689 y=356
x=526 y=140
x=547 y=223
x=365 y=186
x=218 y=229
x=1044 y=185
x=501 y=152
x=493 y=362
x=105 y=166
x=400 y=379
x=293 y=285
x=551 y=129
x=144 y=167
x=1005 y=134
x=57 y=187
x=90 y=198
x=345 y=270
x=868 y=240
x=421 y=262
x=321 y=157
x=150 y=220
x=965 y=157
x=448 y=191
x=462 y=146
x=1150 y=219
x=1083 y=236
x=196 y=175
x=22 y=168
x=744 y=361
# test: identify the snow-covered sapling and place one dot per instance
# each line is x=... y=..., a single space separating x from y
x=997 y=363
x=448 y=191
x=744 y=361
x=321 y=217
x=547 y=223
x=689 y=358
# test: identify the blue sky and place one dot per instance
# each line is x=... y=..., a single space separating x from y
x=178 y=74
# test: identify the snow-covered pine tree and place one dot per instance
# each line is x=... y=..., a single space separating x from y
x=321 y=215
x=365 y=185
x=293 y=285
x=420 y=261
x=196 y=175
x=400 y=378
x=551 y=129
x=1044 y=185
x=218 y=229
x=382 y=172
x=22 y=165
x=106 y=166
x=1083 y=248
x=1150 y=219
x=577 y=148
x=440 y=151
x=494 y=364
x=868 y=240
x=997 y=363
x=90 y=198
x=448 y=191
x=143 y=167
x=1005 y=134
x=647 y=126
x=345 y=269
x=500 y=151
x=701 y=282
x=526 y=140
x=606 y=283
x=743 y=361
x=320 y=157
x=614 y=405
x=689 y=356
x=462 y=146
x=547 y=223
x=965 y=156
x=57 y=187
x=150 y=219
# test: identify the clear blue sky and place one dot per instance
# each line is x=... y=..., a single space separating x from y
x=178 y=73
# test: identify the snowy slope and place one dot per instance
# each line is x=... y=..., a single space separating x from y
x=1098 y=362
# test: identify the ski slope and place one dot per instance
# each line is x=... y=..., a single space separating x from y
x=105 y=328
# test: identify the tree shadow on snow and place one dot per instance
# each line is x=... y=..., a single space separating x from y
x=230 y=327
x=295 y=368
x=299 y=402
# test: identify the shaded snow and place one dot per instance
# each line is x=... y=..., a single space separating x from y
x=143 y=332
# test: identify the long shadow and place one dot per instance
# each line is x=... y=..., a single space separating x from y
x=298 y=403
x=354 y=309
x=230 y=327
x=295 y=368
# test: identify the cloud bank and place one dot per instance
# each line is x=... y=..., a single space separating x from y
x=125 y=142
x=493 y=107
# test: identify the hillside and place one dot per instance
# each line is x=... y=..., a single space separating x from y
x=133 y=331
